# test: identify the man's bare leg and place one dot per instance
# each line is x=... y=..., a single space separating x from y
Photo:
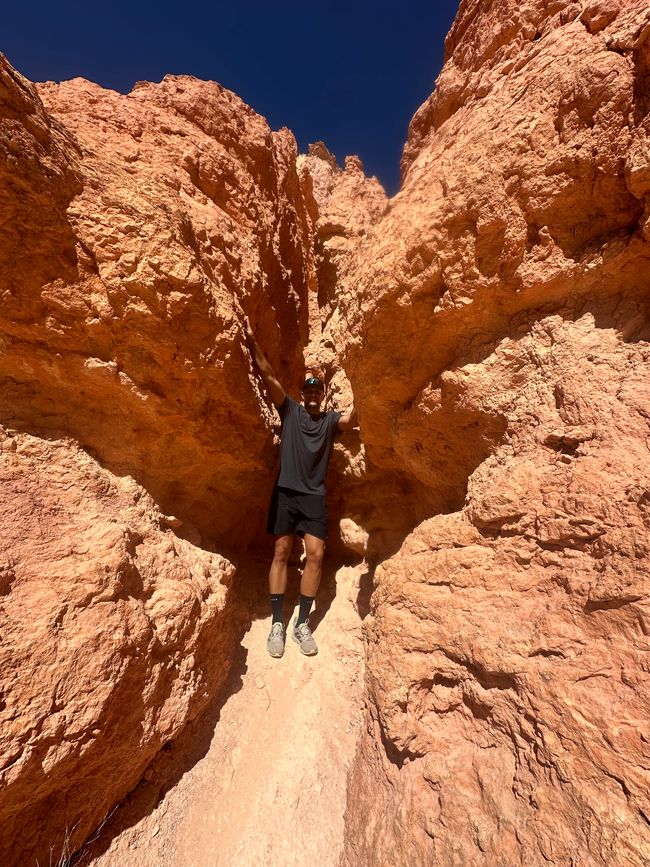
x=277 y=586
x=314 y=551
x=278 y=571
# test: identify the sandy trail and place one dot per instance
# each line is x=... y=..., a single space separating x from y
x=267 y=783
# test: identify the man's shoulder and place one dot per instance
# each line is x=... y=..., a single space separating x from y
x=288 y=406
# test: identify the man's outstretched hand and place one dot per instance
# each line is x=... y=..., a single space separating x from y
x=275 y=389
x=349 y=420
x=248 y=331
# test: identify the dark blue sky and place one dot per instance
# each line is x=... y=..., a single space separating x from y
x=349 y=73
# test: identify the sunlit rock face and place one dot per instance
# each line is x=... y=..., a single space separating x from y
x=141 y=228
x=496 y=328
x=115 y=632
x=491 y=324
x=135 y=440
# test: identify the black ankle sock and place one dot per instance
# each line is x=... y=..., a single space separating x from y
x=277 y=603
x=305 y=608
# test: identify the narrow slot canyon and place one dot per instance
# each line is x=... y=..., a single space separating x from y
x=263 y=774
x=480 y=695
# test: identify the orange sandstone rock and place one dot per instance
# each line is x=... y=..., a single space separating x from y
x=499 y=355
x=114 y=634
x=152 y=221
x=491 y=324
x=507 y=642
x=139 y=229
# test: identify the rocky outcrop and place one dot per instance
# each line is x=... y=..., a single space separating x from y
x=138 y=231
x=492 y=323
x=151 y=223
x=344 y=205
x=114 y=633
x=497 y=346
x=507 y=642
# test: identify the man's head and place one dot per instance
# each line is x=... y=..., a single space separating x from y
x=313 y=393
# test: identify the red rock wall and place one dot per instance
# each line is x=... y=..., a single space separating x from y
x=491 y=321
x=150 y=223
x=137 y=231
x=496 y=321
x=115 y=632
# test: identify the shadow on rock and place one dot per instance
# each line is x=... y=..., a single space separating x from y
x=366 y=587
x=173 y=761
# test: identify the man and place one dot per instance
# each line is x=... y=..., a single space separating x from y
x=298 y=504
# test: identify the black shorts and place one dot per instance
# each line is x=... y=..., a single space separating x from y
x=294 y=512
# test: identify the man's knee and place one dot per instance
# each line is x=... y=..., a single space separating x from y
x=282 y=549
x=314 y=553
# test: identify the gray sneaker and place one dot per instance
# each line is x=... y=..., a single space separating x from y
x=302 y=635
x=275 y=641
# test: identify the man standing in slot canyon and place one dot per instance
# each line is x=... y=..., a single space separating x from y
x=299 y=500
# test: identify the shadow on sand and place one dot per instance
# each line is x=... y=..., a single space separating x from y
x=173 y=761
x=179 y=756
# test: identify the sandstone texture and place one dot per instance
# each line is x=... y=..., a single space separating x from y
x=138 y=230
x=114 y=633
x=491 y=322
x=496 y=328
x=150 y=223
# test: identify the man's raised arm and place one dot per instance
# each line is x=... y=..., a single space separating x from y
x=261 y=362
x=349 y=420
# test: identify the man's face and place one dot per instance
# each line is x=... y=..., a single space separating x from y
x=313 y=397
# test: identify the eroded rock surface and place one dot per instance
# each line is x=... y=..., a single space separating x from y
x=138 y=230
x=491 y=322
x=152 y=221
x=114 y=634
x=507 y=643
x=508 y=286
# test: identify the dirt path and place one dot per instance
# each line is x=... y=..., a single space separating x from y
x=267 y=783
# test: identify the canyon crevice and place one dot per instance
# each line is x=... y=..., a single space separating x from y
x=491 y=323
